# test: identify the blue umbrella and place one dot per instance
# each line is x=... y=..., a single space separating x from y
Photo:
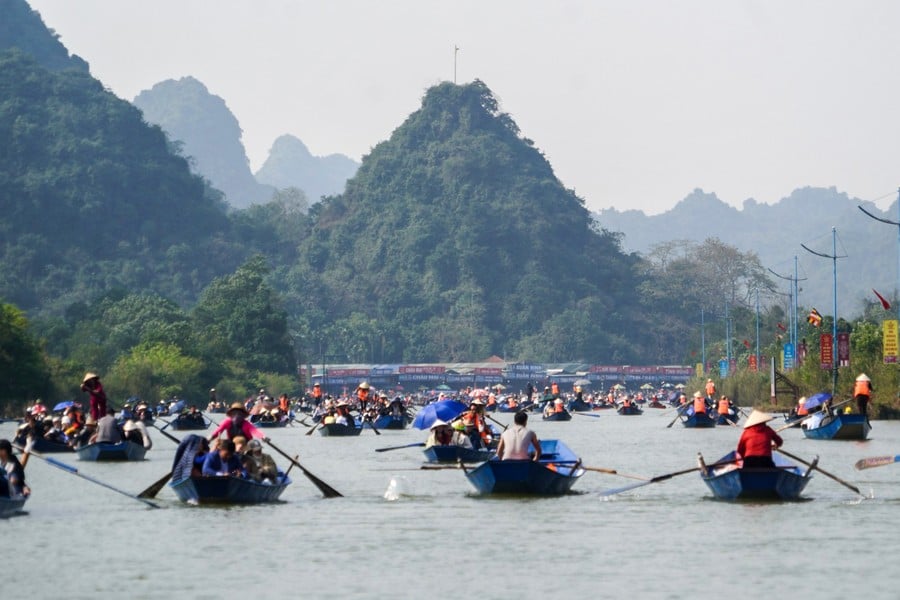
x=63 y=405
x=445 y=410
x=816 y=399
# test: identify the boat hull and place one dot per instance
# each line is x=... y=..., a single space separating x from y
x=699 y=420
x=784 y=482
x=388 y=422
x=11 y=506
x=553 y=475
x=841 y=427
x=454 y=454
x=188 y=424
x=558 y=416
x=43 y=446
x=104 y=451
x=726 y=419
x=226 y=490
x=338 y=430
x=629 y=410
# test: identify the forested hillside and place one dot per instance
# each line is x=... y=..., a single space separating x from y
x=22 y=28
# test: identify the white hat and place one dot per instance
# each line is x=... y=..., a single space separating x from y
x=801 y=400
x=439 y=423
x=477 y=402
x=756 y=417
x=698 y=395
x=863 y=377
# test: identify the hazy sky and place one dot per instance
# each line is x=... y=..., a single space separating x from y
x=634 y=102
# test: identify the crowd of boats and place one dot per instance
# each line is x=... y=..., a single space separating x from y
x=461 y=434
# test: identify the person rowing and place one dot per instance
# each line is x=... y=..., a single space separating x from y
x=236 y=424
x=757 y=441
x=12 y=473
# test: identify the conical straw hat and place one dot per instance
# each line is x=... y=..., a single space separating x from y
x=757 y=417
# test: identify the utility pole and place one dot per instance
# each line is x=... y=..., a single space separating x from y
x=834 y=346
x=897 y=225
x=792 y=308
x=455 y=52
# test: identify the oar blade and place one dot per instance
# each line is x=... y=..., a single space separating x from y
x=155 y=488
x=626 y=488
x=875 y=461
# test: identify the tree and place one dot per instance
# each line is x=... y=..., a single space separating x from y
x=24 y=372
x=154 y=371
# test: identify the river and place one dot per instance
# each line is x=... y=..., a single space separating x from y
x=437 y=540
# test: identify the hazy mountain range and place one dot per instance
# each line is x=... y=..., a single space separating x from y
x=775 y=233
x=210 y=135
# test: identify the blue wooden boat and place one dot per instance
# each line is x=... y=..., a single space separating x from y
x=105 y=451
x=580 y=405
x=840 y=427
x=11 y=506
x=187 y=422
x=45 y=446
x=700 y=420
x=554 y=474
x=558 y=416
x=726 y=419
x=629 y=410
x=454 y=454
x=732 y=482
x=267 y=423
x=339 y=430
x=227 y=490
x=388 y=422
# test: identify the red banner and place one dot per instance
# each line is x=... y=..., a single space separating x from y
x=826 y=351
x=347 y=372
x=487 y=371
x=843 y=342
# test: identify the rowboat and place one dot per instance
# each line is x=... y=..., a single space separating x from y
x=11 y=506
x=227 y=490
x=189 y=423
x=725 y=419
x=102 y=451
x=454 y=454
x=270 y=422
x=656 y=404
x=388 y=422
x=337 y=430
x=697 y=419
x=629 y=410
x=732 y=482
x=45 y=446
x=563 y=415
x=580 y=405
x=553 y=474
x=839 y=427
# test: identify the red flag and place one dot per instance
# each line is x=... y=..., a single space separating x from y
x=747 y=343
x=782 y=327
x=884 y=303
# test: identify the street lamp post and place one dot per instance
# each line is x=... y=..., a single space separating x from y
x=897 y=225
x=834 y=346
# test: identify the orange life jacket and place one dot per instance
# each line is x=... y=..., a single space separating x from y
x=724 y=407
x=862 y=388
x=699 y=405
x=284 y=405
x=317 y=393
x=801 y=409
x=362 y=395
x=554 y=389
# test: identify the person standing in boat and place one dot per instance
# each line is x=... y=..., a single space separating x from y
x=699 y=403
x=362 y=395
x=236 y=424
x=862 y=392
x=91 y=384
x=757 y=441
x=516 y=441
x=12 y=473
x=710 y=388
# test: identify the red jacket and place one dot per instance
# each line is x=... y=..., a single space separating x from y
x=757 y=441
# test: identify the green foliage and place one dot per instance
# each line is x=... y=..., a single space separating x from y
x=22 y=28
x=153 y=371
x=23 y=368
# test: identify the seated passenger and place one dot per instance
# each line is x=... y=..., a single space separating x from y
x=265 y=469
x=223 y=462
x=12 y=473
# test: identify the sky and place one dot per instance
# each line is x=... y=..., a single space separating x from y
x=635 y=103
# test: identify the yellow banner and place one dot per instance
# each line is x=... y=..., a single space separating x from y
x=889 y=338
x=699 y=369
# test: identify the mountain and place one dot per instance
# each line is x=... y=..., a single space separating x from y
x=775 y=233
x=210 y=134
x=93 y=199
x=456 y=240
x=291 y=164
x=22 y=28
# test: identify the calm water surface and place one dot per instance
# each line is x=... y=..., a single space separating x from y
x=665 y=540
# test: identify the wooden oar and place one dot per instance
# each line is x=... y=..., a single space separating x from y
x=389 y=448
x=327 y=490
x=155 y=487
x=659 y=478
x=315 y=426
x=168 y=435
x=70 y=469
x=372 y=425
x=496 y=421
x=291 y=466
x=678 y=412
x=868 y=463
x=584 y=414
x=820 y=470
x=614 y=472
